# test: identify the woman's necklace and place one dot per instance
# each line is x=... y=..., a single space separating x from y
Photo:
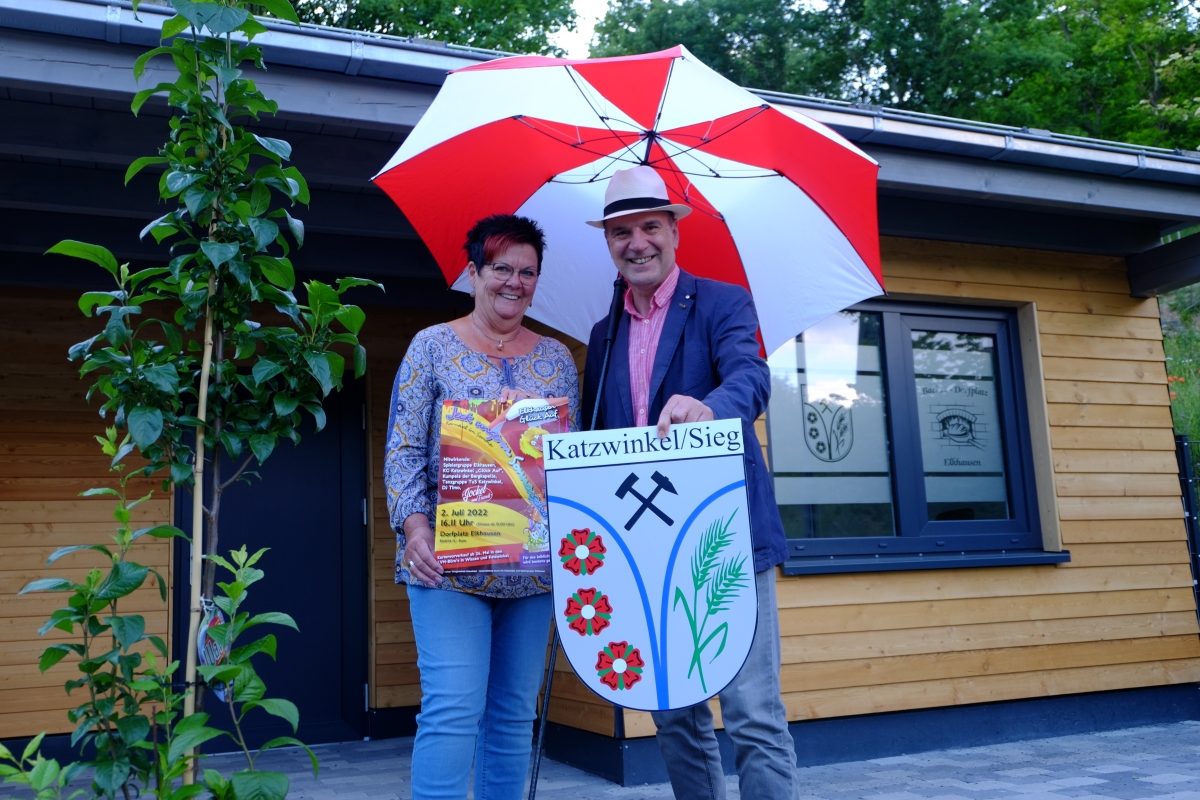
x=499 y=342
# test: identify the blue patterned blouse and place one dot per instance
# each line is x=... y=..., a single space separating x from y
x=439 y=366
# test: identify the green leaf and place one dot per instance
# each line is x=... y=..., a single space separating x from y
x=174 y=26
x=288 y=741
x=141 y=97
x=272 y=617
x=33 y=746
x=52 y=655
x=141 y=163
x=277 y=146
x=260 y=198
x=226 y=19
x=163 y=377
x=43 y=774
x=123 y=580
x=153 y=225
x=352 y=317
x=296 y=227
x=219 y=252
x=145 y=425
x=318 y=414
x=90 y=252
x=262 y=444
x=264 y=230
x=110 y=775
x=360 y=361
x=259 y=785
x=266 y=645
x=323 y=301
x=252 y=27
x=100 y=491
x=133 y=728
x=160 y=532
x=89 y=300
x=177 y=181
x=128 y=630
x=62 y=551
x=280 y=8
x=187 y=738
x=139 y=68
x=284 y=709
x=285 y=405
x=349 y=283
x=318 y=365
x=48 y=585
x=264 y=370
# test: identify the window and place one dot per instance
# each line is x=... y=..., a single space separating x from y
x=898 y=440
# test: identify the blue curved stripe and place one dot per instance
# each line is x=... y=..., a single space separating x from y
x=659 y=667
x=662 y=620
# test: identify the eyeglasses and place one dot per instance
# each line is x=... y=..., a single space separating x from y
x=503 y=272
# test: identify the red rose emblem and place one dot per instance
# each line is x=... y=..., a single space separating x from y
x=588 y=612
x=619 y=665
x=582 y=552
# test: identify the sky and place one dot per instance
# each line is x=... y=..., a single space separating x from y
x=576 y=44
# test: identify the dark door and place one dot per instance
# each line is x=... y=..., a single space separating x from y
x=307 y=506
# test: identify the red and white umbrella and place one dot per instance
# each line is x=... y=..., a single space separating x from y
x=782 y=204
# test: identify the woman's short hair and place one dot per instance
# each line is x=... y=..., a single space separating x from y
x=495 y=234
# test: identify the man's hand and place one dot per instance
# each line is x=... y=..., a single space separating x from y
x=681 y=408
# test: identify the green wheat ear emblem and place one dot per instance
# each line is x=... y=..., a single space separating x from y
x=718 y=582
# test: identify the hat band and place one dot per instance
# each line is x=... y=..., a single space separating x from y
x=635 y=203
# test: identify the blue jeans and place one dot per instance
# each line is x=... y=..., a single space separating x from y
x=754 y=717
x=481 y=661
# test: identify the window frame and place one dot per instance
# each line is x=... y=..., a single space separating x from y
x=921 y=543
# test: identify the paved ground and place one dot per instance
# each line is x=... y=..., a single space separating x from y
x=1149 y=763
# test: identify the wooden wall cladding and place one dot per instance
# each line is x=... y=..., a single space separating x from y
x=1121 y=614
x=47 y=457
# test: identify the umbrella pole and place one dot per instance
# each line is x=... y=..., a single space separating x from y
x=614 y=319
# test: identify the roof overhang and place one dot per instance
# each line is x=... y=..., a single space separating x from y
x=346 y=98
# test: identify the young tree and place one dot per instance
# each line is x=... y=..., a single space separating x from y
x=238 y=359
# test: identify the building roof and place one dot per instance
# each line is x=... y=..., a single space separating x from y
x=940 y=177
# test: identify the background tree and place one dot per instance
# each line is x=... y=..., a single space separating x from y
x=1101 y=68
x=515 y=27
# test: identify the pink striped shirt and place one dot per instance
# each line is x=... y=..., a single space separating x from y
x=644 y=333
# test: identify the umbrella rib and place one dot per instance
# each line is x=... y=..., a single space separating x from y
x=662 y=101
x=603 y=119
x=688 y=149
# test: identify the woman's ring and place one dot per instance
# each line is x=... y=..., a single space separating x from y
x=411 y=563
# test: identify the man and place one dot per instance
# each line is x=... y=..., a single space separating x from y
x=686 y=351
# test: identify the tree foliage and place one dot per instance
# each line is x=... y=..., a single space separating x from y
x=515 y=27
x=1114 y=69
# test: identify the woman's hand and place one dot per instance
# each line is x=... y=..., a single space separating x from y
x=507 y=394
x=418 y=553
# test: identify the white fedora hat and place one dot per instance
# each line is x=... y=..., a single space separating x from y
x=634 y=190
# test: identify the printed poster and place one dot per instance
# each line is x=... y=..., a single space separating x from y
x=492 y=512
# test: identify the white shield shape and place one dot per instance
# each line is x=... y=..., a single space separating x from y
x=654 y=589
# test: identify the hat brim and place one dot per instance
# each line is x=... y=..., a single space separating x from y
x=678 y=209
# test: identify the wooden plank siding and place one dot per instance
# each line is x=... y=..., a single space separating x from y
x=1121 y=614
x=47 y=457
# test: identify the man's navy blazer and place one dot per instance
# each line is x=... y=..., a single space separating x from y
x=708 y=350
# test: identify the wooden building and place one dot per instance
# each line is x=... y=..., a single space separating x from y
x=1037 y=581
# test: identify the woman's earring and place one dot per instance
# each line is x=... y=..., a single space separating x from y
x=472 y=295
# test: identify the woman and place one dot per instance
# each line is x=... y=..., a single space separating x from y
x=481 y=639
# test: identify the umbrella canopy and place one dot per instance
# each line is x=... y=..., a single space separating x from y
x=782 y=205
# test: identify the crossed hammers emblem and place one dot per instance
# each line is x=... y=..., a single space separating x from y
x=661 y=482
